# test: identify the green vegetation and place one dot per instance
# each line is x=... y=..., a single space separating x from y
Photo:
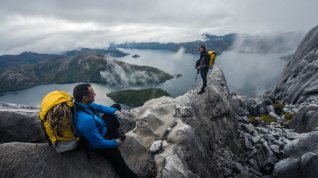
x=278 y=107
x=289 y=116
x=251 y=118
x=136 y=97
x=267 y=119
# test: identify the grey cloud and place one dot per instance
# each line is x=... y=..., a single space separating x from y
x=68 y=24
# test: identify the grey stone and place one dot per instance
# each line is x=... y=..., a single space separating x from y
x=275 y=149
x=243 y=174
x=292 y=135
x=253 y=163
x=156 y=146
x=256 y=139
x=270 y=109
x=287 y=168
x=256 y=173
x=298 y=147
x=249 y=128
x=306 y=120
x=20 y=124
x=43 y=161
x=299 y=78
x=247 y=143
x=279 y=143
x=228 y=172
x=274 y=115
x=305 y=166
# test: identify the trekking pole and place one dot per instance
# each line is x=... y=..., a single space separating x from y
x=195 y=79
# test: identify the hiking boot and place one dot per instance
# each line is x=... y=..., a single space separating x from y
x=201 y=91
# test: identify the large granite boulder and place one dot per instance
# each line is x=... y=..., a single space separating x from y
x=299 y=80
x=306 y=120
x=301 y=158
x=39 y=160
x=189 y=136
x=19 y=123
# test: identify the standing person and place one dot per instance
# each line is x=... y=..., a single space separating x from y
x=92 y=129
x=202 y=65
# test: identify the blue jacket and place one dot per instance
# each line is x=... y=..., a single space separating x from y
x=90 y=126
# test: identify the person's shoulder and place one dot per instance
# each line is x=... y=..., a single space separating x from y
x=83 y=116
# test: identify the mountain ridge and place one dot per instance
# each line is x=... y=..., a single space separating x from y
x=85 y=67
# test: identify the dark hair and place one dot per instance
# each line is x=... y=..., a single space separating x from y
x=116 y=106
x=81 y=90
x=202 y=46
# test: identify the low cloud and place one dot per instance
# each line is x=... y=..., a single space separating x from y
x=56 y=25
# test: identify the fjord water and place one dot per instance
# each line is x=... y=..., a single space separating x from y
x=247 y=74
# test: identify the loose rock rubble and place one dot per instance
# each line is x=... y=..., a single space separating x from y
x=263 y=147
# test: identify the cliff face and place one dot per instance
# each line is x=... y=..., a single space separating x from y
x=299 y=80
x=86 y=67
x=189 y=136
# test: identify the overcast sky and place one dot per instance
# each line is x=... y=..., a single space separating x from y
x=58 y=25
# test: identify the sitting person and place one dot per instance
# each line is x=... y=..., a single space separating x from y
x=113 y=124
x=92 y=129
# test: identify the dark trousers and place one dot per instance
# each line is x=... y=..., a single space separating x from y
x=114 y=157
x=112 y=125
x=204 y=73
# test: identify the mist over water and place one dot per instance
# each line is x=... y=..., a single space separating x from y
x=251 y=74
x=248 y=74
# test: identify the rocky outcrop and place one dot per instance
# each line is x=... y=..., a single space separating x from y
x=84 y=67
x=19 y=123
x=306 y=119
x=263 y=147
x=301 y=159
x=299 y=80
x=189 y=136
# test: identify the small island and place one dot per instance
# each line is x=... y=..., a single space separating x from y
x=136 y=97
x=178 y=75
x=135 y=56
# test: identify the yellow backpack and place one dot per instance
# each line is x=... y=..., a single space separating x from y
x=212 y=55
x=56 y=115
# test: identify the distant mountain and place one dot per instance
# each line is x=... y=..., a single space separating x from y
x=217 y=43
x=7 y=61
x=240 y=42
x=85 y=67
x=110 y=52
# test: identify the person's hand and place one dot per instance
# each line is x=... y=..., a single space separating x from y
x=119 y=141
